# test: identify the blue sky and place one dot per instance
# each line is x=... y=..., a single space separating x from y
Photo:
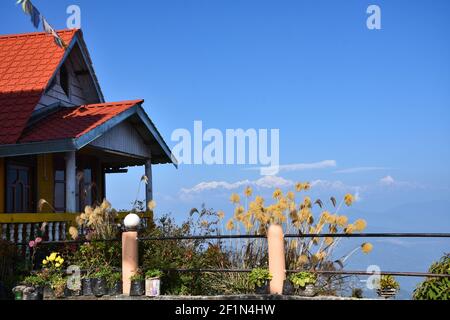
x=376 y=102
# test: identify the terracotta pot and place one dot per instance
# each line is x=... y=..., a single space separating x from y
x=152 y=287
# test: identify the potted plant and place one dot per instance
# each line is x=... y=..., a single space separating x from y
x=114 y=281
x=137 y=287
x=35 y=284
x=388 y=287
x=86 y=285
x=260 y=277
x=153 y=282
x=304 y=282
x=98 y=281
x=56 y=288
x=52 y=274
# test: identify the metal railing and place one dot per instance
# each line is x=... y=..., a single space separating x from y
x=244 y=236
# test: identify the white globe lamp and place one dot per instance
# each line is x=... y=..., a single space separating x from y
x=131 y=222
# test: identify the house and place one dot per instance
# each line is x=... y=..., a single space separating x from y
x=58 y=135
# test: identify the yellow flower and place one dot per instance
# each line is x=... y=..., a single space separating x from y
x=299 y=187
x=360 y=225
x=259 y=200
x=235 y=198
x=221 y=214
x=306 y=186
x=349 y=229
x=230 y=224
x=44 y=262
x=239 y=210
x=349 y=199
x=307 y=202
x=151 y=205
x=291 y=195
x=342 y=221
x=248 y=192
x=366 y=247
x=52 y=256
x=277 y=194
x=57 y=265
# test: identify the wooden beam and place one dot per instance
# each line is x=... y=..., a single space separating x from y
x=71 y=182
x=52 y=217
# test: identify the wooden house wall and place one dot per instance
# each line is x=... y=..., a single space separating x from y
x=123 y=138
x=81 y=85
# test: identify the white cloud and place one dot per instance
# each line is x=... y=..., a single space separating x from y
x=301 y=166
x=360 y=169
x=264 y=182
x=387 y=181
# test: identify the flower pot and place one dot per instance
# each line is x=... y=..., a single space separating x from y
x=86 y=285
x=308 y=291
x=387 y=293
x=116 y=289
x=48 y=293
x=71 y=293
x=31 y=293
x=99 y=287
x=288 y=288
x=152 y=287
x=264 y=289
x=137 y=288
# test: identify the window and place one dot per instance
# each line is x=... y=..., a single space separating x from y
x=18 y=189
x=64 y=79
x=60 y=185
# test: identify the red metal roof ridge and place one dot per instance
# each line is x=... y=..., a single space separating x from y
x=112 y=103
x=35 y=34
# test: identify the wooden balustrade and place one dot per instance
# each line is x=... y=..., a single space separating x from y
x=23 y=227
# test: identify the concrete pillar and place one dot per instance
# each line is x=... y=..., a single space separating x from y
x=277 y=263
x=71 y=181
x=149 y=185
x=130 y=261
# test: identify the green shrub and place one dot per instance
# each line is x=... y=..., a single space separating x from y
x=302 y=279
x=389 y=282
x=435 y=288
x=153 y=273
x=259 y=276
x=184 y=254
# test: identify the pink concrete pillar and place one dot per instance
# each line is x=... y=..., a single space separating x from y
x=277 y=263
x=129 y=259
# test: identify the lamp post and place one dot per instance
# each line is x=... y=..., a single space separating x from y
x=130 y=261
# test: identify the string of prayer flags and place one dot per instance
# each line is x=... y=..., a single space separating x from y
x=32 y=11
x=48 y=28
x=36 y=18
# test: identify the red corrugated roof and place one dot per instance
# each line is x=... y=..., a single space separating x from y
x=27 y=63
x=75 y=122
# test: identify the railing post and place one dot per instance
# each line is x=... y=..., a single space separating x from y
x=130 y=258
x=277 y=263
